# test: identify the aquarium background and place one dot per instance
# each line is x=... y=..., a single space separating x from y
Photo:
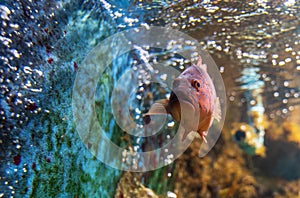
x=255 y=44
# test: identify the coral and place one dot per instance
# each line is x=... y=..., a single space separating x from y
x=130 y=186
x=222 y=173
x=289 y=190
x=293 y=131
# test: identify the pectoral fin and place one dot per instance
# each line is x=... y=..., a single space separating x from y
x=196 y=135
x=203 y=136
x=217 y=110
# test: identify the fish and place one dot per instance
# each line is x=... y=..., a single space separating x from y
x=193 y=101
x=249 y=138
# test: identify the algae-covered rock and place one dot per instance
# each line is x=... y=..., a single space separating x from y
x=222 y=173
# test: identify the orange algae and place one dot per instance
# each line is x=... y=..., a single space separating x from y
x=131 y=186
x=222 y=173
x=293 y=131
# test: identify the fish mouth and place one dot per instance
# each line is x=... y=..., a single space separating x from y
x=189 y=108
x=182 y=98
x=188 y=104
x=182 y=92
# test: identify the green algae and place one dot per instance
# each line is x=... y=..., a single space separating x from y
x=61 y=172
x=64 y=167
x=159 y=180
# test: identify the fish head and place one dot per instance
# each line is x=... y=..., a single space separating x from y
x=193 y=100
x=183 y=104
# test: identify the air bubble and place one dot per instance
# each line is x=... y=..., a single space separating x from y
x=284 y=101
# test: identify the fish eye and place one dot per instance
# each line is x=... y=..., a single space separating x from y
x=196 y=84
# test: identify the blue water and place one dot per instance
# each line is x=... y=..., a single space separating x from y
x=255 y=45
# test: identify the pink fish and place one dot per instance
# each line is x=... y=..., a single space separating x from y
x=193 y=101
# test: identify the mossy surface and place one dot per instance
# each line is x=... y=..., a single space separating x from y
x=63 y=167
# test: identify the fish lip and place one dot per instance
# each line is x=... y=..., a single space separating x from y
x=189 y=108
x=189 y=116
x=181 y=88
x=182 y=92
x=184 y=99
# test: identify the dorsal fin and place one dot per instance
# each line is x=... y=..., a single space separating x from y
x=200 y=64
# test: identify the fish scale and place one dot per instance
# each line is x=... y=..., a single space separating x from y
x=195 y=107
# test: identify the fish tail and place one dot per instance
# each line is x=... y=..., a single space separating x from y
x=160 y=107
